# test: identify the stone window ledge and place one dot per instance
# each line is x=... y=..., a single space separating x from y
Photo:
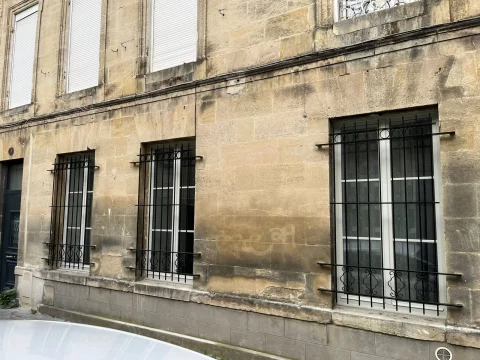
x=398 y=324
x=377 y=18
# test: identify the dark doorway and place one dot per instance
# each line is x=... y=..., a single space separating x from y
x=11 y=223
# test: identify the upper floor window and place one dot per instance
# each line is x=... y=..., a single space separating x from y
x=83 y=58
x=174 y=33
x=388 y=212
x=352 y=8
x=22 y=57
x=166 y=212
x=71 y=222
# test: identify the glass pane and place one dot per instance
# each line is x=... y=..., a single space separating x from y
x=187 y=177
x=415 y=286
x=185 y=256
x=74 y=210
x=187 y=209
x=358 y=156
x=357 y=211
x=411 y=151
x=161 y=256
x=76 y=176
x=357 y=276
x=164 y=168
x=416 y=218
x=15 y=173
x=163 y=209
x=88 y=210
x=86 y=249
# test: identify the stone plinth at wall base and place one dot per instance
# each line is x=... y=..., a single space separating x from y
x=196 y=344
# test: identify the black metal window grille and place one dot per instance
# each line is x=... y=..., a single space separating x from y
x=166 y=212
x=387 y=212
x=352 y=8
x=71 y=215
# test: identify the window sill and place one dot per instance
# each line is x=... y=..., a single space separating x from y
x=169 y=77
x=377 y=18
x=22 y=109
x=63 y=101
x=399 y=324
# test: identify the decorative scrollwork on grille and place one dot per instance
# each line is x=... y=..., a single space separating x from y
x=370 y=281
x=423 y=287
x=347 y=279
x=354 y=8
x=396 y=284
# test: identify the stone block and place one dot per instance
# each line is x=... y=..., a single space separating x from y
x=99 y=295
x=460 y=201
x=315 y=352
x=236 y=319
x=145 y=303
x=292 y=349
x=306 y=331
x=121 y=298
x=395 y=347
x=214 y=332
x=351 y=339
x=48 y=295
x=266 y=324
x=248 y=339
x=288 y=24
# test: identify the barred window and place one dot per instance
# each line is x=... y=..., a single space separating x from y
x=71 y=225
x=348 y=9
x=387 y=211
x=166 y=212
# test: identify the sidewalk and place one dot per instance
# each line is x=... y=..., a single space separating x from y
x=23 y=314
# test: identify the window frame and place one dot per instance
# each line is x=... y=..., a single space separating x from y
x=387 y=224
x=145 y=41
x=83 y=227
x=174 y=240
x=68 y=49
x=10 y=45
x=337 y=9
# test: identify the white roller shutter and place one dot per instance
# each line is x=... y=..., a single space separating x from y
x=174 y=33
x=23 y=57
x=84 y=44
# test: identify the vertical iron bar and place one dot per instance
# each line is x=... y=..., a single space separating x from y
x=150 y=237
x=347 y=275
x=420 y=211
x=367 y=143
x=406 y=212
x=356 y=199
x=434 y=207
x=144 y=213
x=54 y=210
x=392 y=192
x=334 y=206
x=154 y=226
x=137 y=246
x=380 y=183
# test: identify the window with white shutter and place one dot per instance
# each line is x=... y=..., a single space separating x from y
x=174 y=33
x=84 y=44
x=23 y=57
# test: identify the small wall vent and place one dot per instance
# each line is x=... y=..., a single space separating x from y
x=443 y=354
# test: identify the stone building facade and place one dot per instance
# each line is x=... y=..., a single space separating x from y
x=263 y=275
